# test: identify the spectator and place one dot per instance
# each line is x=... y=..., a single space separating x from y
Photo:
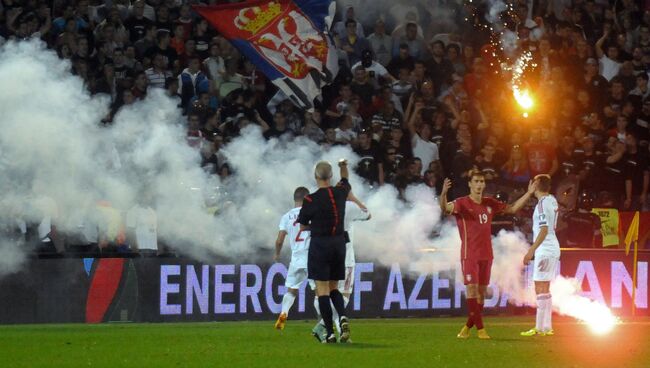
x=370 y=166
x=164 y=48
x=279 y=127
x=137 y=24
x=340 y=27
x=541 y=156
x=377 y=73
x=455 y=58
x=581 y=227
x=637 y=175
x=641 y=89
x=191 y=81
x=344 y=133
x=416 y=47
x=231 y=80
x=313 y=125
x=420 y=133
x=146 y=42
x=403 y=60
x=388 y=118
x=215 y=65
x=158 y=73
x=439 y=69
x=352 y=43
x=608 y=62
x=139 y=89
x=515 y=170
x=381 y=44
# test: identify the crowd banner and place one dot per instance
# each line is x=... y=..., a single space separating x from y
x=177 y=290
x=608 y=225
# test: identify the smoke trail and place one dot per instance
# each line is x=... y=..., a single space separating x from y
x=568 y=301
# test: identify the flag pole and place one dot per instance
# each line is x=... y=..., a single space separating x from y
x=636 y=246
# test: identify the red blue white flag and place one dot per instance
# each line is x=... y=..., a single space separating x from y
x=286 y=39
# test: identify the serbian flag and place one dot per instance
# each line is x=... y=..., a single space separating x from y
x=286 y=39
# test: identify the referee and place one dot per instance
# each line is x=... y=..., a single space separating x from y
x=323 y=212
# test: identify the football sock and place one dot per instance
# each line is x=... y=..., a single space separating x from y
x=335 y=318
x=548 y=314
x=471 y=302
x=541 y=311
x=338 y=302
x=287 y=302
x=470 y=322
x=475 y=313
x=326 y=312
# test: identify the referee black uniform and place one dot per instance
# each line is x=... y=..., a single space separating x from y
x=324 y=212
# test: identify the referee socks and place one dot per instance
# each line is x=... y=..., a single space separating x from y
x=339 y=303
x=326 y=313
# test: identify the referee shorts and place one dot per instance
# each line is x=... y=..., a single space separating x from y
x=326 y=259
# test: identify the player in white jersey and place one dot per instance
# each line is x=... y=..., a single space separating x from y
x=299 y=241
x=546 y=253
x=354 y=211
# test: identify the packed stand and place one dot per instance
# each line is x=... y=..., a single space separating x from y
x=418 y=98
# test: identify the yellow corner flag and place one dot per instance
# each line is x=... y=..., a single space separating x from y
x=633 y=236
x=632 y=233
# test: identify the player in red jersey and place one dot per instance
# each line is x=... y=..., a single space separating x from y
x=474 y=215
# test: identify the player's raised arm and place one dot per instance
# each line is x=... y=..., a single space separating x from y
x=355 y=200
x=278 y=244
x=446 y=207
x=515 y=207
x=343 y=165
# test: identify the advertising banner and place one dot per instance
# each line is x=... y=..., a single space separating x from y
x=180 y=290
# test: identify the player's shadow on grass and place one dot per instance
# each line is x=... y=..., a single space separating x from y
x=512 y=339
x=361 y=345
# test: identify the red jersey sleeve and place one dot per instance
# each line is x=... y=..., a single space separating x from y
x=459 y=206
x=497 y=206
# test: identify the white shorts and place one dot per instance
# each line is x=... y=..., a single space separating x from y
x=345 y=286
x=295 y=276
x=545 y=267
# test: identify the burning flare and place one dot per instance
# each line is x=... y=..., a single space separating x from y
x=568 y=301
x=523 y=98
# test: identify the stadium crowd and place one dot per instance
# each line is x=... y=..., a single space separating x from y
x=419 y=99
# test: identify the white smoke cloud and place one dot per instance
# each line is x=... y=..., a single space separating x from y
x=57 y=162
x=11 y=257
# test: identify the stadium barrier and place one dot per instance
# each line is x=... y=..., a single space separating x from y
x=95 y=290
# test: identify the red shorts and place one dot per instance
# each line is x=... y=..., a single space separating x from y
x=476 y=272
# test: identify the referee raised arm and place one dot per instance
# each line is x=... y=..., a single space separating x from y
x=323 y=212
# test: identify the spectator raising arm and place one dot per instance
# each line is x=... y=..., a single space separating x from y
x=599 y=44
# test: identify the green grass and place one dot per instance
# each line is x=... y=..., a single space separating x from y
x=377 y=343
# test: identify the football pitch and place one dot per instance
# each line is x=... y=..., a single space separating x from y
x=377 y=343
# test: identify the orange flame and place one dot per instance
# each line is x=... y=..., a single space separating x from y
x=523 y=98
